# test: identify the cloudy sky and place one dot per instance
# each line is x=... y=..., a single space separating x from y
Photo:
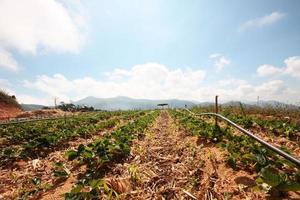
x=154 y=49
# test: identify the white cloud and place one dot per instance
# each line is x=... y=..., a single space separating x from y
x=6 y=86
x=56 y=86
x=33 y=25
x=237 y=89
x=150 y=80
x=231 y=82
x=220 y=61
x=7 y=61
x=39 y=26
x=156 y=81
x=271 y=88
x=292 y=68
x=28 y=99
x=4 y=82
x=268 y=70
x=262 y=21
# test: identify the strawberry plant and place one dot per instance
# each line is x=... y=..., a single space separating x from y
x=35 y=139
x=98 y=154
x=244 y=152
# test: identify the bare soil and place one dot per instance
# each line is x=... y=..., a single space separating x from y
x=8 y=111
x=17 y=178
x=170 y=163
x=43 y=113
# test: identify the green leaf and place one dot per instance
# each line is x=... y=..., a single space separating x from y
x=58 y=164
x=80 y=148
x=259 y=180
x=87 y=154
x=288 y=186
x=76 y=189
x=58 y=173
x=36 y=181
x=248 y=156
x=106 y=188
x=96 y=183
x=232 y=162
x=71 y=155
x=271 y=178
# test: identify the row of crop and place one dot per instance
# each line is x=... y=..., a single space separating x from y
x=282 y=127
x=23 y=132
x=101 y=153
x=274 y=126
x=39 y=137
x=244 y=153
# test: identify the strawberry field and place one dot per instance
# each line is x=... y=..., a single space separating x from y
x=155 y=154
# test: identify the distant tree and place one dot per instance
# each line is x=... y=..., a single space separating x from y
x=8 y=99
x=72 y=108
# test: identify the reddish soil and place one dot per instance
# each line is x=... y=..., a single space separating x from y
x=8 y=111
x=11 y=113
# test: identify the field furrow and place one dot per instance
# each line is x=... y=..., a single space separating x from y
x=164 y=154
x=18 y=180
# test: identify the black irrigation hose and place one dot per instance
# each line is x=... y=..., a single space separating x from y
x=275 y=149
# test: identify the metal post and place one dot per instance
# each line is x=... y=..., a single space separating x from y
x=216 y=110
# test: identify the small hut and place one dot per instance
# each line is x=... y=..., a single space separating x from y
x=163 y=105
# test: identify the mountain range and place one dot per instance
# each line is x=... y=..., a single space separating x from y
x=126 y=103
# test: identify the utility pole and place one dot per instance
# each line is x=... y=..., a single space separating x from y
x=257 y=101
x=55 y=102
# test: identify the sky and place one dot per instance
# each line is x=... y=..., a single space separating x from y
x=150 y=49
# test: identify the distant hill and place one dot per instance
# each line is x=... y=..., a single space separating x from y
x=126 y=103
x=278 y=104
x=262 y=104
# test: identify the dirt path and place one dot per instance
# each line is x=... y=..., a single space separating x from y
x=169 y=163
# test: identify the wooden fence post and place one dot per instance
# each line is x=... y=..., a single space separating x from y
x=216 y=110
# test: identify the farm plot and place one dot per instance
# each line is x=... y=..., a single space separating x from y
x=166 y=154
x=98 y=157
x=281 y=132
x=273 y=174
x=26 y=176
x=166 y=164
x=37 y=139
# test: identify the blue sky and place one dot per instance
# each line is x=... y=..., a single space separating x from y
x=150 y=49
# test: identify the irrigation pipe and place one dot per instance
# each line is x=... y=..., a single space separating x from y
x=261 y=141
